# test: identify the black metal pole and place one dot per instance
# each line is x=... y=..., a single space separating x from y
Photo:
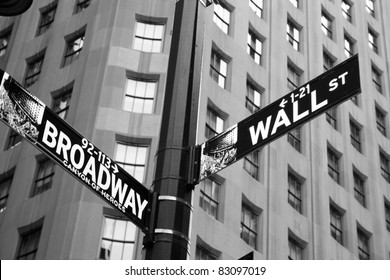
x=172 y=207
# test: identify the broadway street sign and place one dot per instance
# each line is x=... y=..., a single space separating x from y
x=31 y=118
x=292 y=110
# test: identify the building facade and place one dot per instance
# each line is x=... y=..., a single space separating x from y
x=320 y=192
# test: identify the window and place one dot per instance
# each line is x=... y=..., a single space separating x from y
x=209 y=197
x=355 y=135
x=385 y=168
x=373 y=41
x=249 y=226
x=61 y=103
x=222 y=17
x=363 y=245
x=214 y=123
x=33 y=71
x=253 y=98
x=257 y=7
x=293 y=78
x=218 y=68
x=5 y=185
x=326 y=25
x=348 y=47
x=118 y=239
x=4 y=40
x=29 y=243
x=335 y=224
x=81 y=5
x=333 y=166
x=149 y=37
x=203 y=254
x=14 y=139
x=380 y=121
x=293 y=35
x=44 y=176
x=346 y=10
x=328 y=62
x=331 y=117
x=132 y=158
x=73 y=49
x=377 y=79
x=295 y=250
x=387 y=215
x=254 y=47
x=370 y=7
x=359 y=189
x=295 y=192
x=47 y=17
x=295 y=3
x=139 y=95
x=251 y=164
x=294 y=138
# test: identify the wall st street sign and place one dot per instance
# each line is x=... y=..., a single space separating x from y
x=32 y=119
x=292 y=110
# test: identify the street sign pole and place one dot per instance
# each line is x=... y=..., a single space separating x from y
x=173 y=210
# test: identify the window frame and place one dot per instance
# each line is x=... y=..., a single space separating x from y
x=5 y=186
x=327 y=25
x=387 y=215
x=294 y=138
x=140 y=39
x=46 y=19
x=251 y=164
x=71 y=54
x=295 y=247
x=331 y=117
x=355 y=135
x=216 y=187
x=5 y=36
x=293 y=77
x=48 y=166
x=377 y=79
x=65 y=95
x=81 y=5
x=26 y=238
x=359 y=188
x=113 y=239
x=219 y=68
x=370 y=8
x=346 y=13
x=336 y=224
x=257 y=7
x=363 y=245
x=134 y=164
x=130 y=99
x=385 y=166
x=219 y=121
x=373 y=41
x=253 y=97
x=294 y=192
x=381 y=121
x=253 y=45
x=334 y=165
x=33 y=70
x=252 y=229
x=293 y=35
x=222 y=17
x=13 y=139
x=349 y=46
